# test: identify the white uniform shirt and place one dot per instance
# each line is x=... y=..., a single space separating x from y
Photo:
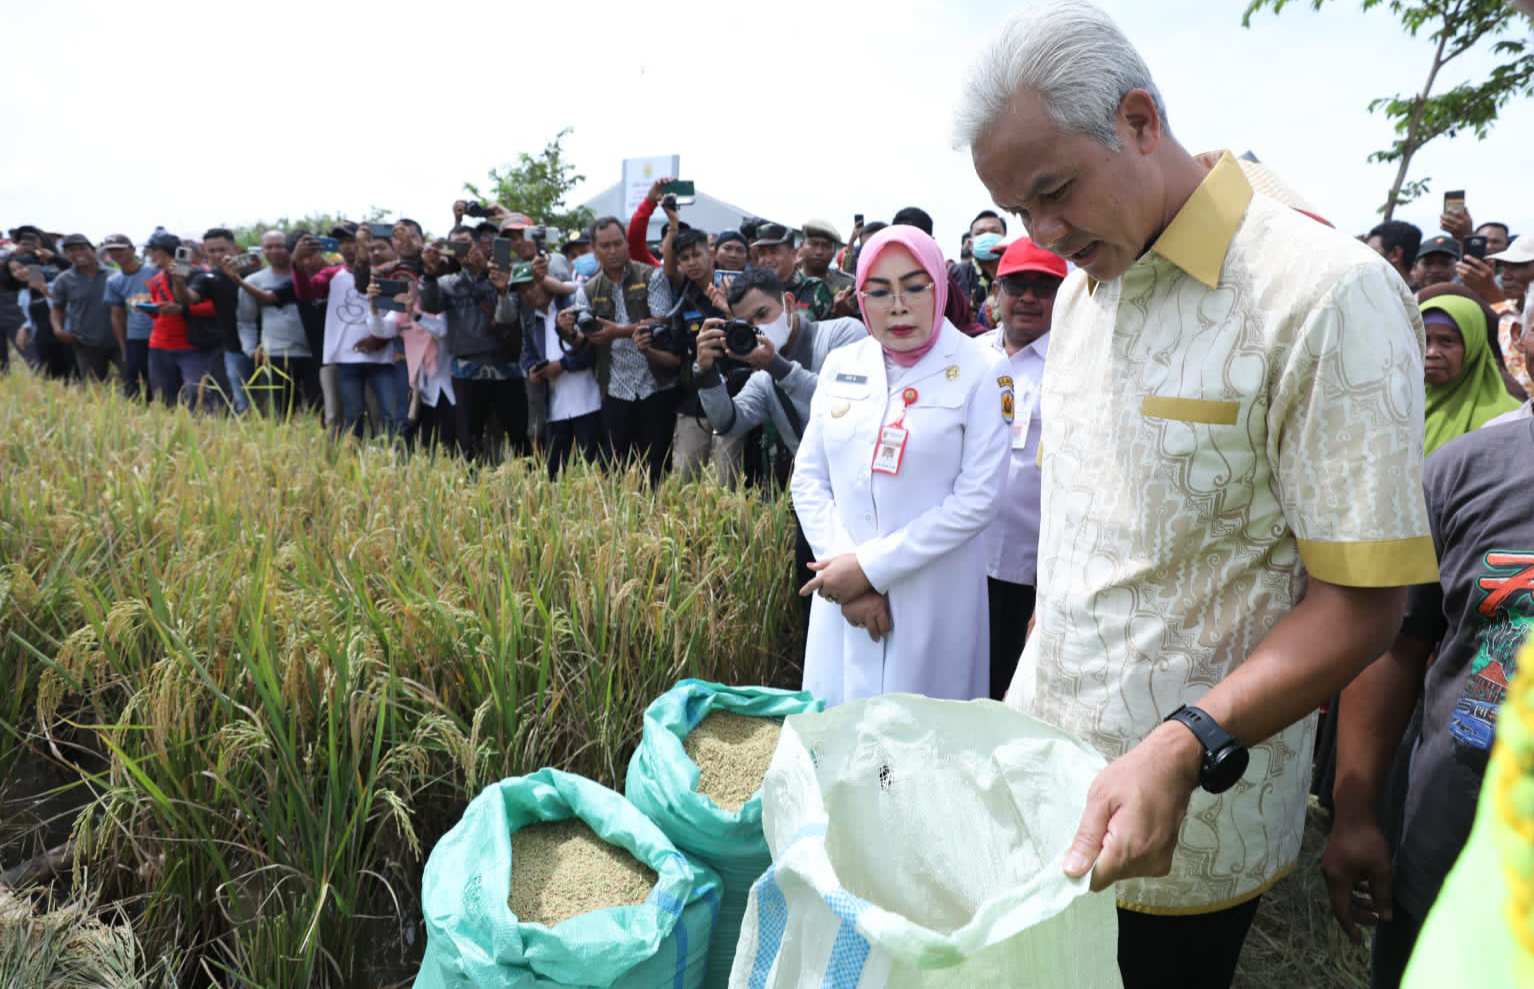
x=1012 y=541
x=915 y=532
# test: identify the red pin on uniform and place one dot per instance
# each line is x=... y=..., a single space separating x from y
x=910 y=395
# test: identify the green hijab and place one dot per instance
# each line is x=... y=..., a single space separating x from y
x=1478 y=394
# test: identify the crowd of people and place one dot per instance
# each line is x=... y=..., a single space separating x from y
x=1258 y=467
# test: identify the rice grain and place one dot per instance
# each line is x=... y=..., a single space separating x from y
x=561 y=869
x=732 y=752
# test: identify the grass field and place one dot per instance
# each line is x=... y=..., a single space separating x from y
x=268 y=671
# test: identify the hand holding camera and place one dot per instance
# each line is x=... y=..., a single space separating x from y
x=500 y=278
x=710 y=343
x=657 y=190
x=432 y=260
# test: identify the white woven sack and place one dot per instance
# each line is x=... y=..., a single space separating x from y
x=918 y=842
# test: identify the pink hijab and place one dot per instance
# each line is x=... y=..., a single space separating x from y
x=927 y=254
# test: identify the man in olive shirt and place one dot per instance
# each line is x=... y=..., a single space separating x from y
x=80 y=315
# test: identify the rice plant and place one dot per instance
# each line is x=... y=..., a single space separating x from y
x=279 y=665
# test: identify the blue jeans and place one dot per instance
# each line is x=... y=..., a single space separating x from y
x=176 y=374
x=239 y=368
x=388 y=384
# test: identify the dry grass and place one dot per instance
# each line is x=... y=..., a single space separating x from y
x=1294 y=942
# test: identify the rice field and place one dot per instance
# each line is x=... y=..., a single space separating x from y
x=273 y=669
x=248 y=676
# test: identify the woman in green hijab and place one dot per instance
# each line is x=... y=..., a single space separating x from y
x=1464 y=377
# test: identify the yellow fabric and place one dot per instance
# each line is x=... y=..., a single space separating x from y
x=1199 y=436
x=1190 y=410
x=1199 y=235
x=1382 y=563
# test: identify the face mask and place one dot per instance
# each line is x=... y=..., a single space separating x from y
x=585 y=265
x=777 y=331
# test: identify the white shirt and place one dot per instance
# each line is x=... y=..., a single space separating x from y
x=348 y=323
x=1012 y=541
x=573 y=393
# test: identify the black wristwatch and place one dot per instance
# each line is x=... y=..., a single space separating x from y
x=1225 y=759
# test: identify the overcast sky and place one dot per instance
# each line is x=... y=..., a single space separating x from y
x=193 y=114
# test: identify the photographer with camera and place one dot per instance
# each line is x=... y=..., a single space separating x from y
x=271 y=327
x=221 y=283
x=180 y=359
x=784 y=350
x=638 y=411
x=672 y=348
x=560 y=361
x=483 y=341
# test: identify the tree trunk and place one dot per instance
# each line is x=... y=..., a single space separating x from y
x=1410 y=143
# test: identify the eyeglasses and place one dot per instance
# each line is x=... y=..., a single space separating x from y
x=1043 y=287
x=884 y=298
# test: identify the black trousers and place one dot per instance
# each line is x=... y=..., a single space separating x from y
x=1198 y=951
x=478 y=400
x=583 y=433
x=1011 y=606
x=803 y=555
x=292 y=387
x=435 y=426
x=136 y=369
x=641 y=430
x=1393 y=944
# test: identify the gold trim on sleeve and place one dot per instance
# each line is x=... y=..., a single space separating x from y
x=1378 y=563
x=1208 y=411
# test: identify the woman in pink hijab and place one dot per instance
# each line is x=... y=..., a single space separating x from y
x=902 y=465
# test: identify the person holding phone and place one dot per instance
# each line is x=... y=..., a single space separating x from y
x=271 y=325
x=483 y=342
x=180 y=368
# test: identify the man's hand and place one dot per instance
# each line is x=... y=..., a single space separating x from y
x=644 y=338
x=230 y=269
x=304 y=249
x=259 y=357
x=500 y=278
x=838 y=579
x=1457 y=223
x=1479 y=278
x=565 y=321
x=1356 y=865
x=64 y=336
x=371 y=344
x=871 y=613
x=1135 y=809
x=540 y=268
x=610 y=332
x=363 y=236
x=552 y=370
x=719 y=297
x=460 y=206
x=845 y=303
x=655 y=195
x=710 y=343
x=762 y=356
x=170 y=309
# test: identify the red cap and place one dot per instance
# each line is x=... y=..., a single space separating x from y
x=1025 y=255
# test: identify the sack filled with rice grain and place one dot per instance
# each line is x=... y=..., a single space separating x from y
x=698 y=774
x=552 y=880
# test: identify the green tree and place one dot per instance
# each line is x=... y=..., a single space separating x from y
x=249 y=234
x=537 y=186
x=1456 y=27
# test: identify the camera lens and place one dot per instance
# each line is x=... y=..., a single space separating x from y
x=739 y=337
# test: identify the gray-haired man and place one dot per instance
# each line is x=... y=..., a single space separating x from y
x=1215 y=528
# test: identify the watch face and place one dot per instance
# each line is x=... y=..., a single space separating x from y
x=1223 y=768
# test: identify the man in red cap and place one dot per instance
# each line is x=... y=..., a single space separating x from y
x=1028 y=277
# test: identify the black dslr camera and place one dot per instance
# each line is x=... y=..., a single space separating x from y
x=739 y=337
x=475 y=209
x=588 y=324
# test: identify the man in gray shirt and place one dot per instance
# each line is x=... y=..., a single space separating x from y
x=80 y=315
x=784 y=366
x=271 y=329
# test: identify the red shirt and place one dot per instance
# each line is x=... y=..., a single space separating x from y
x=639 y=226
x=169 y=332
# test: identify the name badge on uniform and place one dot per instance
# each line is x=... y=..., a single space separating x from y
x=852 y=379
x=891 y=449
x=1027 y=400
